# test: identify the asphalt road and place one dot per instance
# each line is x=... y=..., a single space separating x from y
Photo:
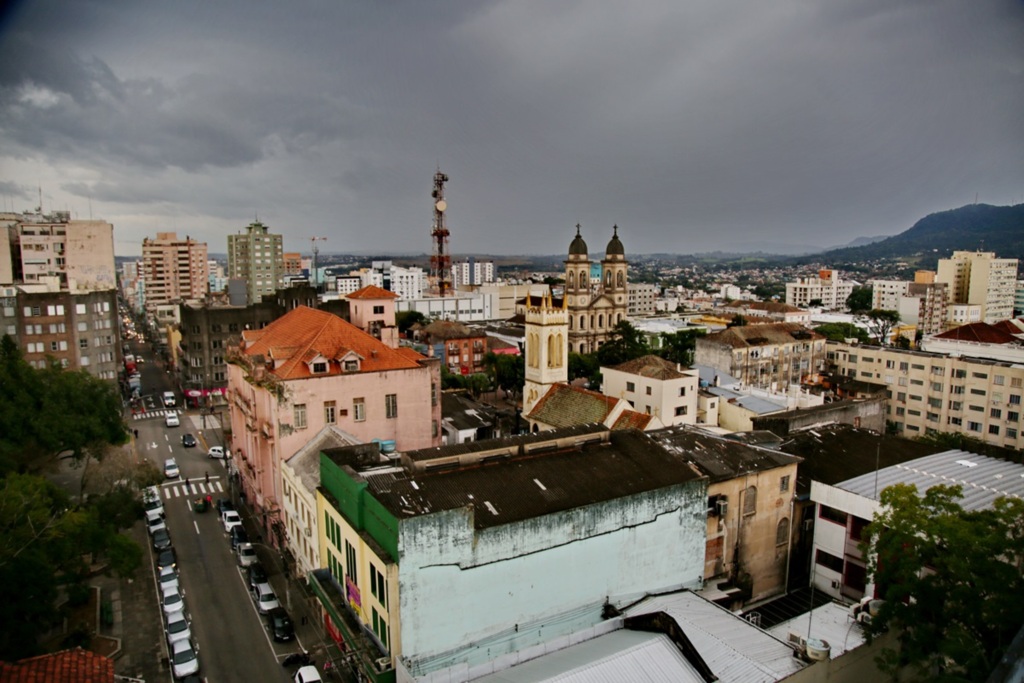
x=233 y=642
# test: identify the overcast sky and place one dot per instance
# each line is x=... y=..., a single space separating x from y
x=694 y=125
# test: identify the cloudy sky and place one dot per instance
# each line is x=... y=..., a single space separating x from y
x=694 y=125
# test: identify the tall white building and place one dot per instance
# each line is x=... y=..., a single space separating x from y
x=826 y=287
x=979 y=278
x=472 y=272
x=407 y=283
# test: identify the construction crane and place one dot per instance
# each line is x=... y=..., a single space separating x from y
x=440 y=259
x=316 y=251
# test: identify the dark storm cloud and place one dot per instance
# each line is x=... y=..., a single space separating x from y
x=694 y=126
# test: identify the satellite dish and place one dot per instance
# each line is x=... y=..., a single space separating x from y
x=441 y=205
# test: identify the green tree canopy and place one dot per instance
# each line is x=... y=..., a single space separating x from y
x=510 y=373
x=679 y=347
x=624 y=344
x=859 y=300
x=841 y=331
x=881 y=324
x=950 y=579
x=585 y=366
x=404 y=320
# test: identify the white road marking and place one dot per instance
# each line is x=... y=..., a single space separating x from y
x=196 y=524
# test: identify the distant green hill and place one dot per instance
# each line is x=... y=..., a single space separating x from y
x=975 y=227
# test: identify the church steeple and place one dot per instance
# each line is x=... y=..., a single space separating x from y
x=547 y=348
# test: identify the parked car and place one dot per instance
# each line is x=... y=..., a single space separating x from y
x=178 y=628
x=216 y=452
x=280 y=625
x=230 y=519
x=152 y=503
x=154 y=523
x=173 y=601
x=169 y=400
x=184 y=659
x=161 y=539
x=256 y=575
x=264 y=597
x=238 y=536
x=307 y=674
x=171 y=420
x=171 y=470
x=168 y=578
x=166 y=558
x=246 y=554
x=188 y=441
x=224 y=504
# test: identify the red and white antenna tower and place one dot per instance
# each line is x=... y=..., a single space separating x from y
x=440 y=259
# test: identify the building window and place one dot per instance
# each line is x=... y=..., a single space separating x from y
x=378 y=310
x=391 y=406
x=682 y=392
x=378 y=587
x=359 y=409
x=832 y=515
x=784 y=483
x=351 y=567
x=433 y=393
x=782 y=532
x=829 y=561
x=648 y=391
x=319 y=368
x=680 y=411
x=300 y=415
x=330 y=412
x=750 y=500
x=630 y=386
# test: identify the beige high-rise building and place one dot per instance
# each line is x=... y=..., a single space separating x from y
x=257 y=256
x=173 y=270
x=74 y=255
x=979 y=278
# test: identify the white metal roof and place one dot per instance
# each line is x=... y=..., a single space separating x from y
x=831 y=623
x=734 y=649
x=982 y=478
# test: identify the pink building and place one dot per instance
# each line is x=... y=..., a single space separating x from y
x=309 y=369
x=372 y=309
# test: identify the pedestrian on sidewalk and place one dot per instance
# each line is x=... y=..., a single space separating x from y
x=207 y=477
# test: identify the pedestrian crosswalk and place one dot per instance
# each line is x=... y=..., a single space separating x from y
x=193 y=488
x=154 y=413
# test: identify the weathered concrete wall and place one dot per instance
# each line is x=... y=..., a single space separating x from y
x=502 y=587
x=866 y=413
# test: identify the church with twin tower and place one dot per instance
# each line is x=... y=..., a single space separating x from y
x=581 y=322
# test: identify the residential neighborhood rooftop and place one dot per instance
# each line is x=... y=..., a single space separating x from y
x=720 y=458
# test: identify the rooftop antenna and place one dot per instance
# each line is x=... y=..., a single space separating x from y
x=316 y=251
x=440 y=260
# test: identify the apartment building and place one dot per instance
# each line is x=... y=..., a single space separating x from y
x=472 y=272
x=771 y=355
x=292 y=263
x=640 y=298
x=979 y=278
x=931 y=392
x=827 y=288
x=654 y=386
x=173 y=270
x=257 y=256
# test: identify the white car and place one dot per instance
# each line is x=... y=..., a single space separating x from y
x=154 y=522
x=246 y=554
x=307 y=674
x=171 y=470
x=168 y=578
x=178 y=628
x=264 y=597
x=152 y=503
x=216 y=452
x=173 y=601
x=184 y=659
x=171 y=420
x=230 y=520
x=169 y=400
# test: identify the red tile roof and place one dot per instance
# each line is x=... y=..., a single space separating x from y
x=979 y=332
x=302 y=334
x=67 y=666
x=651 y=366
x=372 y=292
x=568 y=406
x=630 y=419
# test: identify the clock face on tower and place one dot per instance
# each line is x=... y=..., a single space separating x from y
x=583 y=301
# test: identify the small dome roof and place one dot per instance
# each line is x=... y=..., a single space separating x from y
x=615 y=247
x=578 y=247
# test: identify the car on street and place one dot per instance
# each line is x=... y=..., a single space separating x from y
x=184 y=659
x=307 y=674
x=216 y=452
x=280 y=625
x=166 y=558
x=153 y=505
x=264 y=597
x=161 y=539
x=178 y=628
x=188 y=441
x=168 y=578
x=238 y=537
x=171 y=470
x=256 y=575
x=171 y=420
x=173 y=601
x=169 y=400
x=155 y=523
x=246 y=554
x=224 y=504
x=230 y=519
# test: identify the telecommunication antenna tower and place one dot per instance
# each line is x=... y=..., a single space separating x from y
x=315 y=274
x=440 y=259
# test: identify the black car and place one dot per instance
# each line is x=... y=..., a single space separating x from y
x=238 y=535
x=280 y=625
x=161 y=540
x=188 y=441
x=166 y=558
x=257 y=575
x=222 y=505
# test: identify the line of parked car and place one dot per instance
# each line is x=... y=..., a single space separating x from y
x=184 y=655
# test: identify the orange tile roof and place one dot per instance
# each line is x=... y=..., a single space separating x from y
x=299 y=336
x=568 y=406
x=66 y=666
x=630 y=419
x=372 y=292
x=979 y=332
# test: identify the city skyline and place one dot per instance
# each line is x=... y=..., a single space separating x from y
x=693 y=128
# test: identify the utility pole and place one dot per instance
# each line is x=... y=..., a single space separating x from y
x=316 y=251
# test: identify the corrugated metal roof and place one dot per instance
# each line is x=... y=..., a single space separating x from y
x=831 y=623
x=615 y=657
x=755 y=404
x=734 y=649
x=721 y=459
x=982 y=478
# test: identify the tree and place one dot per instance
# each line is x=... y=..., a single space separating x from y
x=586 y=366
x=859 y=300
x=842 y=331
x=624 y=344
x=404 y=320
x=880 y=324
x=510 y=374
x=815 y=303
x=679 y=347
x=737 y=321
x=950 y=581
